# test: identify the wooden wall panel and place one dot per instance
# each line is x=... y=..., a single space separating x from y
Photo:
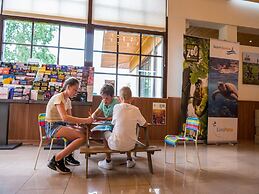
x=26 y=129
x=145 y=105
x=246 y=119
x=18 y=122
x=173 y=116
x=23 y=118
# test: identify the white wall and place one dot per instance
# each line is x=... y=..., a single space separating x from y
x=231 y=12
x=247 y=92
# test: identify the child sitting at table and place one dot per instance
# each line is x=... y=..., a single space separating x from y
x=107 y=104
x=123 y=137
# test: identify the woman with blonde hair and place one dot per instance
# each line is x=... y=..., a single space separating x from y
x=58 y=115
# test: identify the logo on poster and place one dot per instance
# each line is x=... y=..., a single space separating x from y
x=229 y=51
x=219 y=131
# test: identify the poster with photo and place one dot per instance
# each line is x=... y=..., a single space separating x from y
x=159 y=113
x=194 y=100
x=251 y=68
x=223 y=91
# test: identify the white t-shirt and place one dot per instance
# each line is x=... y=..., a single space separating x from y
x=52 y=114
x=125 y=119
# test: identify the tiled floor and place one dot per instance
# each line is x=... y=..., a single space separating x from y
x=226 y=169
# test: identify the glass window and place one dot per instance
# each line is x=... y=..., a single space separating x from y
x=101 y=79
x=16 y=53
x=104 y=62
x=125 y=64
x=44 y=44
x=45 y=34
x=71 y=57
x=130 y=81
x=151 y=66
x=128 y=64
x=72 y=37
x=151 y=87
x=19 y=32
x=45 y=54
x=129 y=43
x=105 y=40
x=152 y=45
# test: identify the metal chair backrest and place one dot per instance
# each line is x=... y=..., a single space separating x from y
x=192 y=127
x=41 y=123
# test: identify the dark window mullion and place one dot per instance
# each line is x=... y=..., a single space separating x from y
x=104 y=73
x=1 y=34
x=32 y=34
x=2 y=7
x=152 y=56
x=21 y=44
x=114 y=52
x=59 y=32
x=86 y=40
x=89 y=46
x=117 y=61
x=49 y=46
x=140 y=56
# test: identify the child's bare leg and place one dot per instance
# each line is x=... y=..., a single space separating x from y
x=106 y=136
x=129 y=156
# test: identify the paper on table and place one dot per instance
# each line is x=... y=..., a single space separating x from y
x=102 y=126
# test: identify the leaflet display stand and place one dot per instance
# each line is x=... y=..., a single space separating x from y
x=4 y=123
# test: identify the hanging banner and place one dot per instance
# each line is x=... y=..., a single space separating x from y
x=223 y=93
x=194 y=100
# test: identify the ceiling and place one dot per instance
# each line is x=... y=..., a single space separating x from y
x=246 y=36
x=256 y=1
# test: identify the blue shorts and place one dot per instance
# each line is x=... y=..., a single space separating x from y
x=53 y=127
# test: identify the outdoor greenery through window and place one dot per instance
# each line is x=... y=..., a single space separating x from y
x=120 y=58
x=49 y=43
x=129 y=59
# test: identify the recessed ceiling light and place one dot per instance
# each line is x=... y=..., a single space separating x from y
x=250 y=41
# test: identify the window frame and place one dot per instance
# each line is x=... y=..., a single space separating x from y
x=140 y=55
x=32 y=44
x=89 y=39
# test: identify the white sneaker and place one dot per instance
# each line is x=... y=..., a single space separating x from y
x=131 y=163
x=104 y=164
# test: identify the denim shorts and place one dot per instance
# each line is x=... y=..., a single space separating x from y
x=53 y=127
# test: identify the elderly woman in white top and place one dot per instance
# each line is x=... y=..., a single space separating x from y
x=58 y=115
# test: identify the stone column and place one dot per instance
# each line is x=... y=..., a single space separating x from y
x=228 y=33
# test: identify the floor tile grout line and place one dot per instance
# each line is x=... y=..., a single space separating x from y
x=109 y=184
x=68 y=182
x=25 y=182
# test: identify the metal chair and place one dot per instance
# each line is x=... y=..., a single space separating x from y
x=42 y=125
x=191 y=132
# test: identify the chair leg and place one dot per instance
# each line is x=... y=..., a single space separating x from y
x=86 y=165
x=197 y=152
x=185 y=151
x=51 y=144
x=175 y=157
x=149 y=159
x=38 y=153
x=165 y=152
x=65 y=143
